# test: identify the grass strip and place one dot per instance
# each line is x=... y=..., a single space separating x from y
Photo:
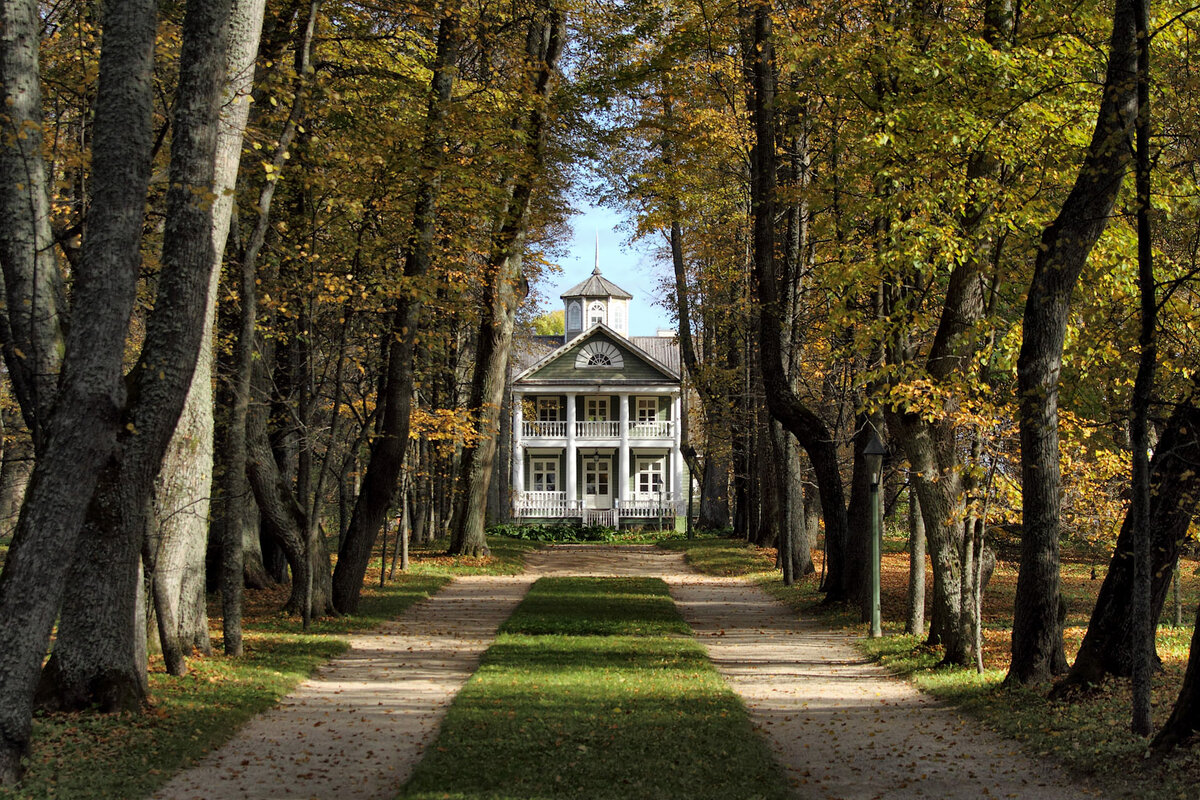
x=596 y=710
x=597 y=607
x=86 y=756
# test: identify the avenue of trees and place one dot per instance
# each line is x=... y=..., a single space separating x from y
x=265 y=262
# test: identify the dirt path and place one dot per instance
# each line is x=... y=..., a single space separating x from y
x=843 y=728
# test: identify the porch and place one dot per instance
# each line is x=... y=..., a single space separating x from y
x=635 y=509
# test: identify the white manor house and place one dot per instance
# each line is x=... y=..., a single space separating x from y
x=596 y=421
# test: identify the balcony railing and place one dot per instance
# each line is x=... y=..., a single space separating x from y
x=599 y=429
x=657 y=429
x=546 y=430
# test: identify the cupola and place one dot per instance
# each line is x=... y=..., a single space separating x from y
x=596 y=300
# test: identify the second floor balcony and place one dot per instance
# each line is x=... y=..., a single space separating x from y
x=599 y=429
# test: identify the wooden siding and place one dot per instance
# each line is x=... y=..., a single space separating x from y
x=634 y=369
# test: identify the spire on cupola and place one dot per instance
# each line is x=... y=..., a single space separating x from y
x=596 y=300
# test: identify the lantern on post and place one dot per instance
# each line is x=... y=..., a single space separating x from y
x=874 y=453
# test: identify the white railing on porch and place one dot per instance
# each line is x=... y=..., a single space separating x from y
x=600 y=516
x=543 y=504
x=554 y=505
x=649 y=506
x=657 y=429
x=537 y=430
x=597 y=429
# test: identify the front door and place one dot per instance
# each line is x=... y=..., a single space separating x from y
x=597 y=481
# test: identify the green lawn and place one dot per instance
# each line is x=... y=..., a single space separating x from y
x=593 y=691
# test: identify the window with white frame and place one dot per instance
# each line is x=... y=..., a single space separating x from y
x=596 y=313
x=544 y=474
x=647 y=409
x=599 y=353
x=618 y=315
x=596 y=409
x=650 y=475
x=547 y=409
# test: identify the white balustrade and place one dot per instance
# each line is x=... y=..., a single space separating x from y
x=649 y=506
x=600 y=516
x=542 y=504
x=543 y=430
x=652 y=429
x=640 y=506
x=597 y=429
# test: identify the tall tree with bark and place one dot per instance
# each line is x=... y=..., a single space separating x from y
x=81 y=432
x=1037 y=644
x=99 y=650
x=176 y=537
x=1174 y=500
x=782 y=399
x=932 y=445
x=505 y=285
x=31 y=325
x=389 y=446
x=1142 y=632
x=249 y=463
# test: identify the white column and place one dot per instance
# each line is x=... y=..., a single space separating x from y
x=570 y=465
x=623 y=453
x=676 y=451
x=518 y=450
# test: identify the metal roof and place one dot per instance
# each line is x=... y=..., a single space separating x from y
x=528 y=350
x=596 y=286
x=663 y=349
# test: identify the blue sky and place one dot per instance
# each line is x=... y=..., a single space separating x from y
x=634 y=269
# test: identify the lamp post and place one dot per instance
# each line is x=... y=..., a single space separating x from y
x=874 y=453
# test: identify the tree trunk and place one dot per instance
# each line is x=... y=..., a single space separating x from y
x=785 y=405
x=504 y=291
x=915 y=622
x=97 y=653
x=179 y=525
x=1037 y=646
x=284 y=520
x=81 y=432
x=858 y=544
x=234 y=562
x=1144 y=618
x=14 y=479
x=714 y=496
x=388 y=448
x=31 y=323
x=1174 y=500
x=796 y=525
x=1185 y=714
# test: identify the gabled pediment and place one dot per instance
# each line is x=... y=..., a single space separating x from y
x=599 y=354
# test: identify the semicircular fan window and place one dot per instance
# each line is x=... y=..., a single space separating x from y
x=603 y=355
